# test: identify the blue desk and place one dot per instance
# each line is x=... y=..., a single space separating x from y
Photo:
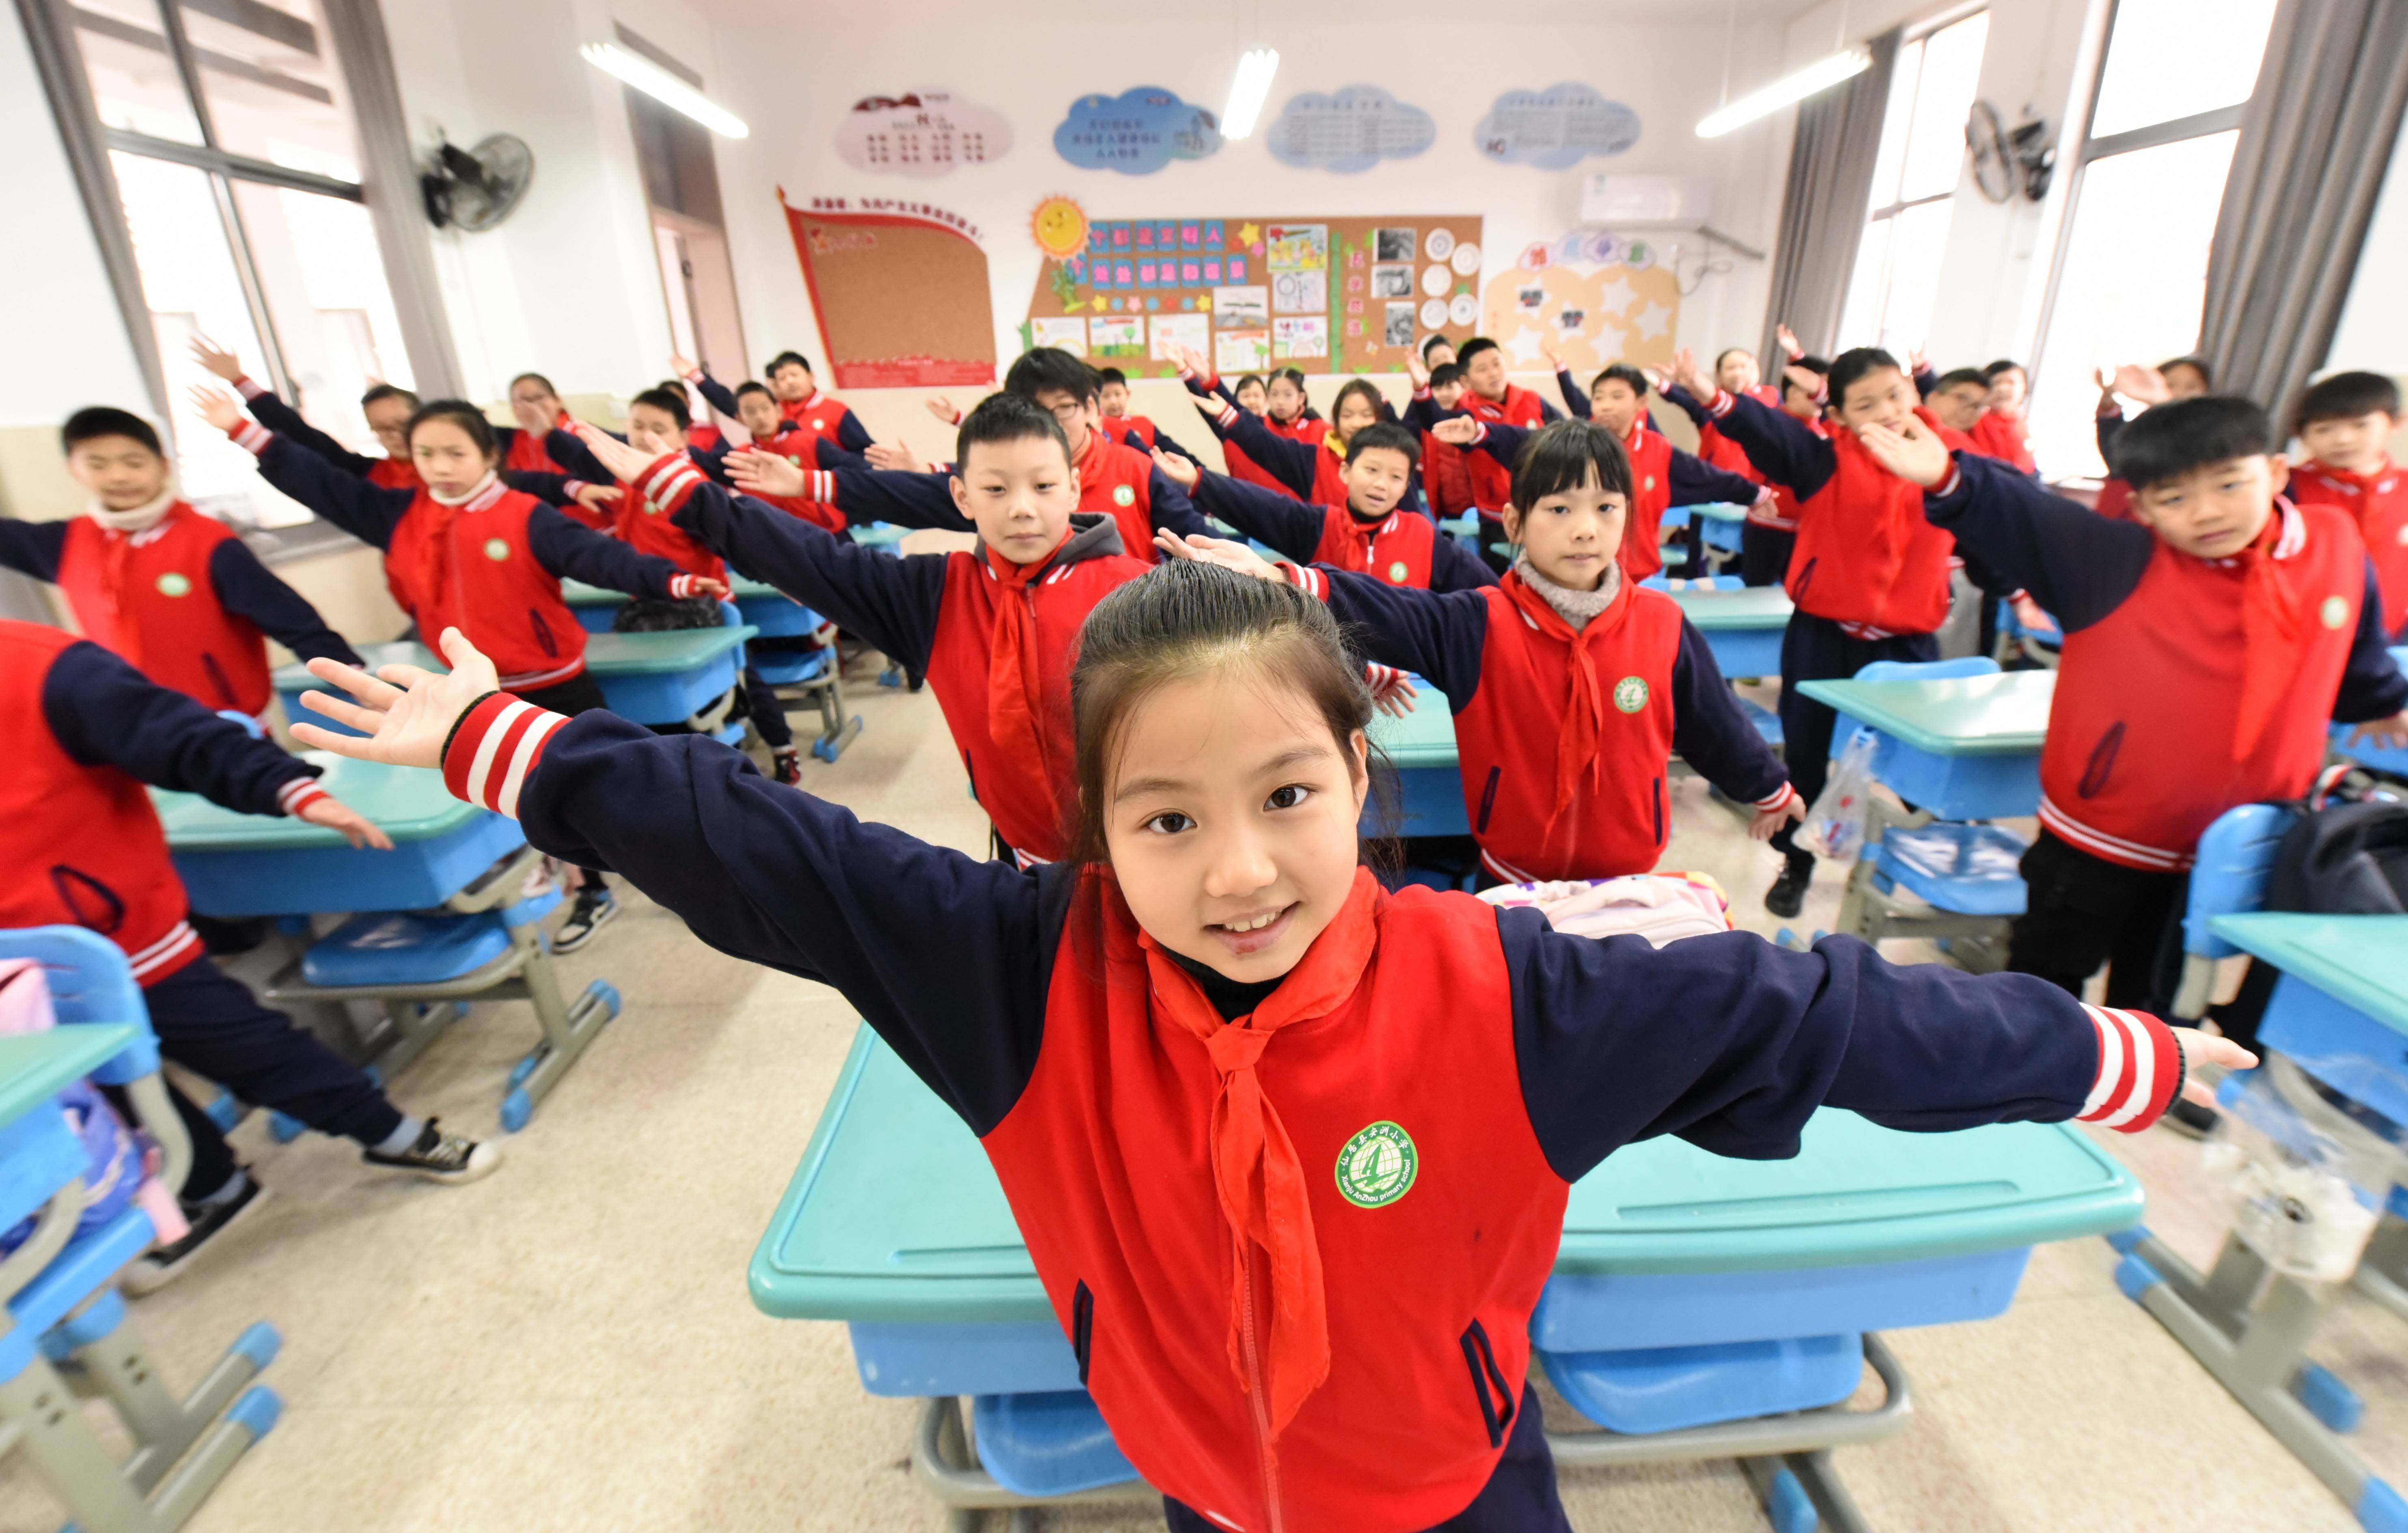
x=650 y=679
x=1420 y=746
x=1743 y=627
x=2390 y=761
x=1967 y=747
x=770 y=611
x=895 y=1224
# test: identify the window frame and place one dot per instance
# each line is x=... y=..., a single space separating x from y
x=1918 y=34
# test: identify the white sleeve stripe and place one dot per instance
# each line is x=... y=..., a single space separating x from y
x=2144 y=1058
x=524 y=759
x=480 y=765
x=2111 y=1061
x=253 y=438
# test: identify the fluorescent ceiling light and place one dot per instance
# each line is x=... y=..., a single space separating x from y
x=665 y=88
x=1820 y=75
x=1248 y=91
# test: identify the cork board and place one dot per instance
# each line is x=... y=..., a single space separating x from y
x=899 y=289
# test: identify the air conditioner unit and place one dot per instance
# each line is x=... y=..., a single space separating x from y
x=1634 y=203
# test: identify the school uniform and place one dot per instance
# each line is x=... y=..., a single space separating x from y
x=1771 y=530
x=995 y=641
x=177 y=594
x=1869 y=575
x=271 y=412
x=1492 y=482
x=1446 y=481
x=82 y=845
x=1140 y=433
x=2186 y=686
x=1299 y=462
x=1402 y=548
x=1397 y=1124
x=2378 y=504
x=1662 y=477
x=822 y=414
x=2001 y=435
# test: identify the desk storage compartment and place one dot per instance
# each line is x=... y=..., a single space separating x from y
x=972 y=1358
x=1666 y=1388
x=1639 y=1311
x=1050 y=1444
x=401 y=948
x=1983 y=787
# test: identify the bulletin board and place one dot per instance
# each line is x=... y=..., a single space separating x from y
x=1593 y=315
x=1322 y=295
x=899 y=289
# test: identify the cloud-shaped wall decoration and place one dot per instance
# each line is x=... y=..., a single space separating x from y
x=1137 y=132
x=1352 y=130
x=920 y=133
x=1554 y=128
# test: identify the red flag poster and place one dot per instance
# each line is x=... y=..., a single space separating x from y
x=899 y=289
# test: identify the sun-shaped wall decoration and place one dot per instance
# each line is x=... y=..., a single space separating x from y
x=1060 y=227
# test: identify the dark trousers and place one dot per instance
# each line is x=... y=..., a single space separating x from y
x=1764 y=553
x=213 y=1027
x=580 y=694
x=2081 y=912
x=1520 y=1496
x=1816 y=649
x=768 y=713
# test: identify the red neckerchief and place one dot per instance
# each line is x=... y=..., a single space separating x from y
x=1582 y=725
x=1013 y=690
x=2273 y=631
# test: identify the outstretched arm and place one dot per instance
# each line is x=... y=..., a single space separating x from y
x=368 y=511
x=1711 y=734
x=249 y=589
x=33 y=548
x=1275 y=520
x=1784 y=451
x=1695 y=481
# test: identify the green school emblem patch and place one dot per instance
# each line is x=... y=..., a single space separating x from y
x=1124 y=495
x=2334 y=612
x=1378 y=1166
x=1631 y=693
x=496 y=549
x=173 y=584
x=1396 y=572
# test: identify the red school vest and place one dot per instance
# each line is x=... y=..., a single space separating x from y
x=1446 y=478
x=1506 y=738
x=148 y=597
x=1441 y=1262
x=1396 y=549
x=2001 y=437
x=821 y=414
x=395 y=474
x=1116 y=480
x=80 y=846
x=1120 y=425
x=2139 y=756
x=1865 y=557
x=1651 y=496
x=469 y=566
x=644 y=527
x=1491 y=480
x=1026 y=815
x=2378 y=503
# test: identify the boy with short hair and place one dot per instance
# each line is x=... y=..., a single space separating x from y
x=1956 y=400
x=2345 y=422
x=2207 y=644
x=1491 y=396
x=1446 y=477
x=1137 y=431
x=797 y=395
x=176 y=594
x=1999 y=431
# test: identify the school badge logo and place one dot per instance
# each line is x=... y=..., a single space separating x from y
x=2334 y=612
x=1396 y=572
x=1378 y=1166
x=173 y=584
x=496 y=549
x=1124 y=495
x=1631 y=693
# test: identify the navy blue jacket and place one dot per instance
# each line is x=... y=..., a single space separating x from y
x=1691 y=480
x=284 y=419
x=240 y=582
x=850 y=431
x=1294 y=464
x=904 y=499
x=1294 y=529
x=105 y=713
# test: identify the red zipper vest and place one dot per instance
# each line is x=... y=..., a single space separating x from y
x=1781 y=512
x=2001 y=437
x=1865 y=557
x=1723 y=453
x=1120 y=424
x=395 y=474
x=642 y=526
x=821 y=414
x=959 y=658
x=148 y=597
x=469 y=566
x=1651 y=496
x=1427 y=1283
x=80 y=846
x=1396 y=551
x=1445 y=479
x=1506 y=740
x=527 y=454
x=1116 y=480
x=2139 y=760
x=1244 y=467
x=1491 y=480
x=2378 y=503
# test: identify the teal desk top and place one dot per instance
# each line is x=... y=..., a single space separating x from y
x=2359 y=960
x=578 y=593
x=1751 y=607
x=36 y=1067
x=1424 y=737
x=408 y=803
x=880 y=535
x=399 y=652
x=895 y=1213
x=2004 y=714
x=606 y=654
x=1721 y=511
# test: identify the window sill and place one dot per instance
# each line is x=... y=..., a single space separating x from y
x=302 y=540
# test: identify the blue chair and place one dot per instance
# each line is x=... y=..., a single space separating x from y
x=1962 y=874
x=1046 y=1444
x=2236 y=859
x=67 y=1335
x=818 y=675
x=1693 y=583
x=2037 y=645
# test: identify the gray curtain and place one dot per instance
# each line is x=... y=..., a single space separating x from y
x=1822 y=210
x=2314 y=141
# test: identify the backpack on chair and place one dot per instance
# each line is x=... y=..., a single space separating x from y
x=2347 y=855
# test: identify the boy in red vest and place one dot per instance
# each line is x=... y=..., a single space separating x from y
x=80 y=846
x=1998 y=431
x=176 y=594
x=1771 y=530
x=2344 y=421
x=2183 y=378
x=798 y=397
x=1446 y=478
x=1376 y=532
x=1112 y=399
x=1489 y=395
x=1870 y=576
x=2207 y=643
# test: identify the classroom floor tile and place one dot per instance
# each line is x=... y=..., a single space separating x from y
x=568 y=1344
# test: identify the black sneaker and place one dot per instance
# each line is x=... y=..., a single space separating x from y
x=162 y=1265
x=438 y=1156
x=2191 y=1120
x=593 y=907
x=1787 y=895
x=786 y=764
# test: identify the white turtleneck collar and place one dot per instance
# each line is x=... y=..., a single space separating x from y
x=134 y=519
x=473 y=492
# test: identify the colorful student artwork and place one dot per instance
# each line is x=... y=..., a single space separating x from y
x=899 y=289
x=1555 y=129
x=920 y=133
x=1330 y=295
x=1593 y=315
x=1065 y=335
x=1137 y=132
x=1352 y=130
x=1113 y=336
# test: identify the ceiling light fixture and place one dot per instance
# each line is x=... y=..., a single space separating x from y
x=665 y=88
x=1820 y=75
x=1248 y=91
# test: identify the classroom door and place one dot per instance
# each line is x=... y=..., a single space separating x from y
x=699 y=283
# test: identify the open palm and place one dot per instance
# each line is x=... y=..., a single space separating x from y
x=406 y=712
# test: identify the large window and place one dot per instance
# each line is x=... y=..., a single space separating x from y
x=1895 y=281
x=234 y=156
x=2132 y=270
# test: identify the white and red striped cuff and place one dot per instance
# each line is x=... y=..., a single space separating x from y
x=299 y=794
x=1226 y=415
x=1720 y=405
x=2141 y=1068
x=1306 y=578
x=696 y=377
x=682 y=586
x=250 y=388
x=671 y=478
x=819 y=484
x=1949 y=486
x=1780 y=800
x=495 y=748
x=251 y=437
x=1479 y=432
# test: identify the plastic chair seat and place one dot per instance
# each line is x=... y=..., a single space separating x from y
x=786 y=668
x=1050 y=1444
x=88 y=1264
x=1966 y=869
x=404 y=947
x=1668 y=1388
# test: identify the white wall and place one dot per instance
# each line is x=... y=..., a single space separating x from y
x=2373 y=333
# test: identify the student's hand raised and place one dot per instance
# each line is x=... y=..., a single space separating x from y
x=2199 y=1049
x=1178 y=470
x=683 y=366
x=943 y=410
x=1547 y=350
x=895 y=457
x=217 y=407
x=1219 y=551
x=1911 y=451
x=624 y=459
x=1419 y=370
x=2391 y=732
x=1806 y=380
x=2145 y=384
x=407 y=713
x=759 y=473
x=1691 y=374
x=598 y=497
x=1392 y=691
x=355 y=827
x=1788 y=339
x=1456 y=430
x=225 y=364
